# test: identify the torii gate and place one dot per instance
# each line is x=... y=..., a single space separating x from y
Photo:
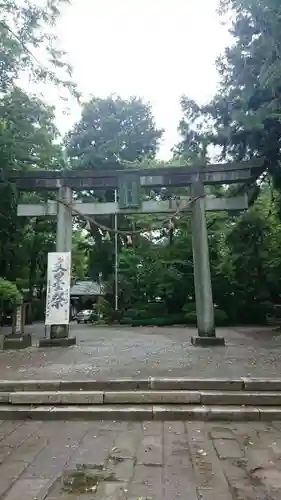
x=128 y=182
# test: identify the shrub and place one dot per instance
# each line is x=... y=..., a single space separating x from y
x=105 y=309
x=221 y=317
x=9 y=293
x=136 y=314
x=172 y=319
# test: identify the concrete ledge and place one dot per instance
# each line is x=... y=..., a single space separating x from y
x=61 y=398
x=28 y=385
x=58 y=342
x=264 y=387
x=119 y=384
x=261 y=384
x=4 y=397
x=113 y=412
x=151 y=397
x=270 y=414
x=231 y=413
x=11 y=342
x=225 y=413
x=208 y=341
x=214 y=398
x=240 y=398
x=139 y=413
x=196 y=384
x=178 y=412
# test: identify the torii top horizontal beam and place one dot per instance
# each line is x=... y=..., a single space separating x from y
x=227 y=173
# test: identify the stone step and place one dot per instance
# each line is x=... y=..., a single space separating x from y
x=140 y=412
x=142 y=397
x=149 y=383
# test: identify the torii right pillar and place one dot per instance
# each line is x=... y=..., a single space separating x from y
x=202 y=273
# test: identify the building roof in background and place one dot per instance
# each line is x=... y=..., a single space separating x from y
x=90 y=288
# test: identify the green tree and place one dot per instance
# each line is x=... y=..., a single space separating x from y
x=26 y=30
x=28 y=137
x=27 y=133
x=113 y=131
x=10 y=296
x=26 y=140
x=243 y=118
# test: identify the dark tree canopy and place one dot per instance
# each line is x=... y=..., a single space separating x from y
x=112 y=131
x=243 y=119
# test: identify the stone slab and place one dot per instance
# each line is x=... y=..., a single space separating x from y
x=13 y=412
x=261 y=384
x=211 y=494
x=125 y=446
x=150 y=451
x=228 y=448
x=127 y=384
x=64 y=398
x=231 y=413
x=138 y=413
x=11 y=385
x=196 y=384
x=206 y=463
x=151 y=397
x=270 y=414
x=208 y=341
x=28 y=385
x=147 y=483
x=4 y=397
x=124 y=384
x=36 y=385
x=189 y=412
x=240 y=398
x=57 y=342
x=113 y=490
x=179 y=412
x=28 y=488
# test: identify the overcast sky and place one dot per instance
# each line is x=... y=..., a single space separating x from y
x=157 y=49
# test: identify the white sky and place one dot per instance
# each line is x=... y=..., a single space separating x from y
x=157 y=49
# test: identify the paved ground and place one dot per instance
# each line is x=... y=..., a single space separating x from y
x=149 y=460
x=103 y=352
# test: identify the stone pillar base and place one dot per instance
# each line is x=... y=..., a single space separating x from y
x=57 y=342
x=14 y=341
x=59 y=331
x=208 y=341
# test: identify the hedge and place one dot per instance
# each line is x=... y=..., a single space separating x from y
x=172 y=319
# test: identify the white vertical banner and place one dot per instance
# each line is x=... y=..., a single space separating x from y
x=58 y=288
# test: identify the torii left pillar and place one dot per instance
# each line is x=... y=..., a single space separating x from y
x=59 y=334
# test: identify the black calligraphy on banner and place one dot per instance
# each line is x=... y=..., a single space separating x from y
x=59 y=293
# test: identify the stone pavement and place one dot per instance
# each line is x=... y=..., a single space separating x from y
x=110 y=352
x=134 y=461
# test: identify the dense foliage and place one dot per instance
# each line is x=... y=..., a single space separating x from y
x=155 y=268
